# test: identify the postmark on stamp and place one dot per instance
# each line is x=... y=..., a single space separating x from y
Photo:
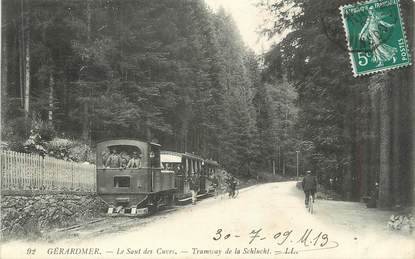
x=375 y=36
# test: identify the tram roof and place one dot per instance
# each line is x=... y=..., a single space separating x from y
x=125 y=141
x=211 y=162
x=171 y=155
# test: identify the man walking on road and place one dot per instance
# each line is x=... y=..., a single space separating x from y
x=309 y=186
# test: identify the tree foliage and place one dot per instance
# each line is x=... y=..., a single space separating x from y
x=173 y=71
x=334 y=108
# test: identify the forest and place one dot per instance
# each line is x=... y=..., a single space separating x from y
x=178 y=73
x=173 y=72
x=357 y=131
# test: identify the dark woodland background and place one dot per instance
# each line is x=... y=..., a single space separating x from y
x=178 y=73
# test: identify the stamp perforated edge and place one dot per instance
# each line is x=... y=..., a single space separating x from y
x=373 y=71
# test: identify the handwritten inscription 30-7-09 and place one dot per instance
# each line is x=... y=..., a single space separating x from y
x=288 y=241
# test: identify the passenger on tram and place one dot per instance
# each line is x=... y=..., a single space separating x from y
x=114 y=160
x=124 y=159
x=180 y=170
x=135 y=161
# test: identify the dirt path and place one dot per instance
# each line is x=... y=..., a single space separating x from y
x=265 y=221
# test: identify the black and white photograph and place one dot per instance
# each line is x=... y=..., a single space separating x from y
x=200 y=129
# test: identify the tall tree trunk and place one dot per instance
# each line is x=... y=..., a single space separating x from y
x=4 y=74
x=177 y=140
x=366 y=148
x=348 y=151
x=374 y=137
x=273 y=166
x=354 y=151
x=27 y=72
x=411 y=167
x=385 y=145
x=283 y=165
x=184 y=134
x=51 y=89
x=21 y=53
x=406 y=134
x=411 y=107
x=85 y=120
x=148 y=131
x=395 y=167
x=279 y=159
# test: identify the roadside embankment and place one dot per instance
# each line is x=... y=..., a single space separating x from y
x=30 y=214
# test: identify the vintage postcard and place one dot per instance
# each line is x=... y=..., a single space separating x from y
x=207 y=129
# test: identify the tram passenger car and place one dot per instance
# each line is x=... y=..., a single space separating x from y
x=183 y=165
x=129 y=187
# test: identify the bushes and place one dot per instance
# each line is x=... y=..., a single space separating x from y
x=70 y=150
x=35 y=145
x=28 y=136
x=60 y=148
x=42 y=141
x=404 y=223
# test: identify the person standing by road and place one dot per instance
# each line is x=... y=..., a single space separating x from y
x=215 y=184
x=194 y=187
x=309 y=186
x=231 y=182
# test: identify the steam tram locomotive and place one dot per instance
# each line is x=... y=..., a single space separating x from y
x=132 y=188
x=136 y=178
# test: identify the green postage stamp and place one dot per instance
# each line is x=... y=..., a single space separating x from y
x=375 y=35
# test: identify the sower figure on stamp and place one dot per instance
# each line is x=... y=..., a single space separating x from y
x=371 y=32
x=309 y=186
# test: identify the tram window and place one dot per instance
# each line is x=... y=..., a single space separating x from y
x=121 y=181
x=118 y=156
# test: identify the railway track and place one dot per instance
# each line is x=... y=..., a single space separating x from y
x=105 y=224
x=108 y=224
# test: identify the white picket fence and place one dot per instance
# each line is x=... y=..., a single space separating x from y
x=21 y=171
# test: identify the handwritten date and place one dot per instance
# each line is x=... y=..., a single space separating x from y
x=307 y=238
